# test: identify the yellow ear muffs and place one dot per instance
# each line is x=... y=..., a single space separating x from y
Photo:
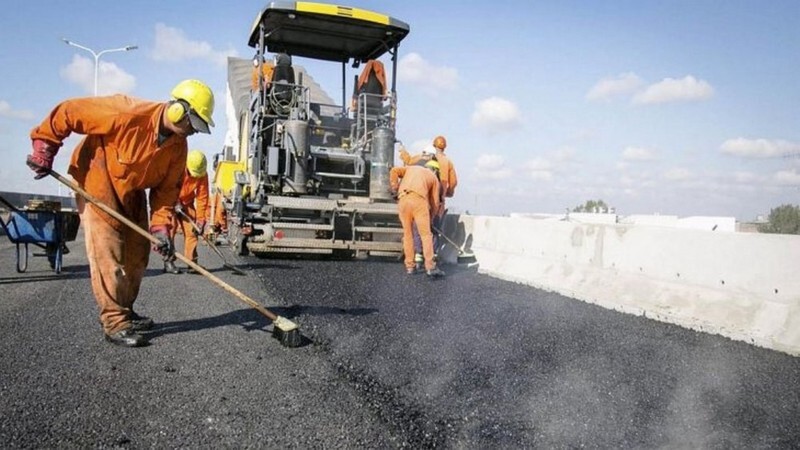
x=176 y=111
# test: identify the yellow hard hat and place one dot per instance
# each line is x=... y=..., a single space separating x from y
x=196 y=163
x=432 y=164
x=199 y=97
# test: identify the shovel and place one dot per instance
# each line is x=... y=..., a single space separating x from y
x=283 y=329
x=211 y=245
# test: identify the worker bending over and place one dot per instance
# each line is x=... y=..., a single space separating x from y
x=417 y=190
x=130 y=145
x=191 y=209
x=447 y=177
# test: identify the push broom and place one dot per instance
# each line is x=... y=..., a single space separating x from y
x=283 y=329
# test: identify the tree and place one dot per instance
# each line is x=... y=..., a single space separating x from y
x=784 y=219
x=592 y=206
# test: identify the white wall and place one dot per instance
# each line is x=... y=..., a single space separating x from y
x=741 y=285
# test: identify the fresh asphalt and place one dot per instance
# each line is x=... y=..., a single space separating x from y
x=388 y=361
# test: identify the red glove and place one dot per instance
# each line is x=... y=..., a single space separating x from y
x=201 y=226
x=164 y=246
x=41 y=158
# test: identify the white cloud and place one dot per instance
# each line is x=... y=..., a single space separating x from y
x=171 y=44
x=414 y=69
x=745 y=177
x=638 y=154
x=110 y=78
x=668 y=90
x=7 y=111
x=491 y=167
x=609 y=87
x=539 y=169
x=759 y=148
x=538 y=164
x=677 y=174
x=564 y=154
x=496 y=114
x=787 y=177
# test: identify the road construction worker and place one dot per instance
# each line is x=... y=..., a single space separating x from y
x=418 y=192
x=217 y=218
x=448 y=178
x=191 y=209
x=263 y=68
x=130 y=146
x=447 y=174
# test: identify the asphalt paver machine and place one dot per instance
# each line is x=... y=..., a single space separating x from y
x=301 y=173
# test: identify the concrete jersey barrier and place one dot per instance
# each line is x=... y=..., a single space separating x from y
x=740 y=285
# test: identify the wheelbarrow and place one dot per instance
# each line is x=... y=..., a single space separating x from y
x=46 y=229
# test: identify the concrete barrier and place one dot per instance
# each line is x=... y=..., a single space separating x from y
x=740 y=285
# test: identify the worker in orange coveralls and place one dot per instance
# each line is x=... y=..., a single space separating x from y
x=130 y=145
x=448 y=178
x=191 y=209
x=217 y=218
x=418 y=192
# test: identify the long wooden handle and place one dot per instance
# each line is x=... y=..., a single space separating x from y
x=203 y=237
x=257 y=306
x=437 y=230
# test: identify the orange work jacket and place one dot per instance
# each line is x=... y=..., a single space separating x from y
x=119 y=158
x=447 y=171
x=195 y=189
x=416 y=180
x=266 y=76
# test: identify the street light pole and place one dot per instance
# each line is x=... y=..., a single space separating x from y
x=97 y=56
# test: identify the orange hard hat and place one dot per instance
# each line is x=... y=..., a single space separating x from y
x=440 y=142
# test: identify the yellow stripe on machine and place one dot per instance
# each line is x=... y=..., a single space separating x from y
x=344 y=11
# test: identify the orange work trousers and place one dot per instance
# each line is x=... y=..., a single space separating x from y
x=189 y=238
x=117 y=263
x=414 y=209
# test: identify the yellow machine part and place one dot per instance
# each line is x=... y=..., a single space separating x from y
x=223 y=176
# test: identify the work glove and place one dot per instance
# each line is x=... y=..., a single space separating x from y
x=164 y=246
x=41 y=158
x=201 y=226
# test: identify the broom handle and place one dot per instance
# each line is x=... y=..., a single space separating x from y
x=205 y=239
x=257 y=306
x=437 y=230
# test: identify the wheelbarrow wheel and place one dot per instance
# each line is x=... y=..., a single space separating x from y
x=22 y=257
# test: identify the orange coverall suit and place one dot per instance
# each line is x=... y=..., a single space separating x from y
x=448 y=179
x=217 y=217
x=191 y=190
x=115 y=162
x=418 y=195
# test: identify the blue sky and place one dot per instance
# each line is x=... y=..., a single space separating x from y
x=670 y=107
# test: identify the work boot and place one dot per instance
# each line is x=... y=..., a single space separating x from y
x=191 y=269
x=169 y=267
x=419 y=260
x=126 y=338
x=140 y=323
x=435 y=273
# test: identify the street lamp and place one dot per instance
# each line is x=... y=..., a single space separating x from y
x=97 y=56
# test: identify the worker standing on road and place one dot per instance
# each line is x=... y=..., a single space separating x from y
x=217 y=219
x=191 y=209
x=131 y=145
x=418 y=192
x=448 y=179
